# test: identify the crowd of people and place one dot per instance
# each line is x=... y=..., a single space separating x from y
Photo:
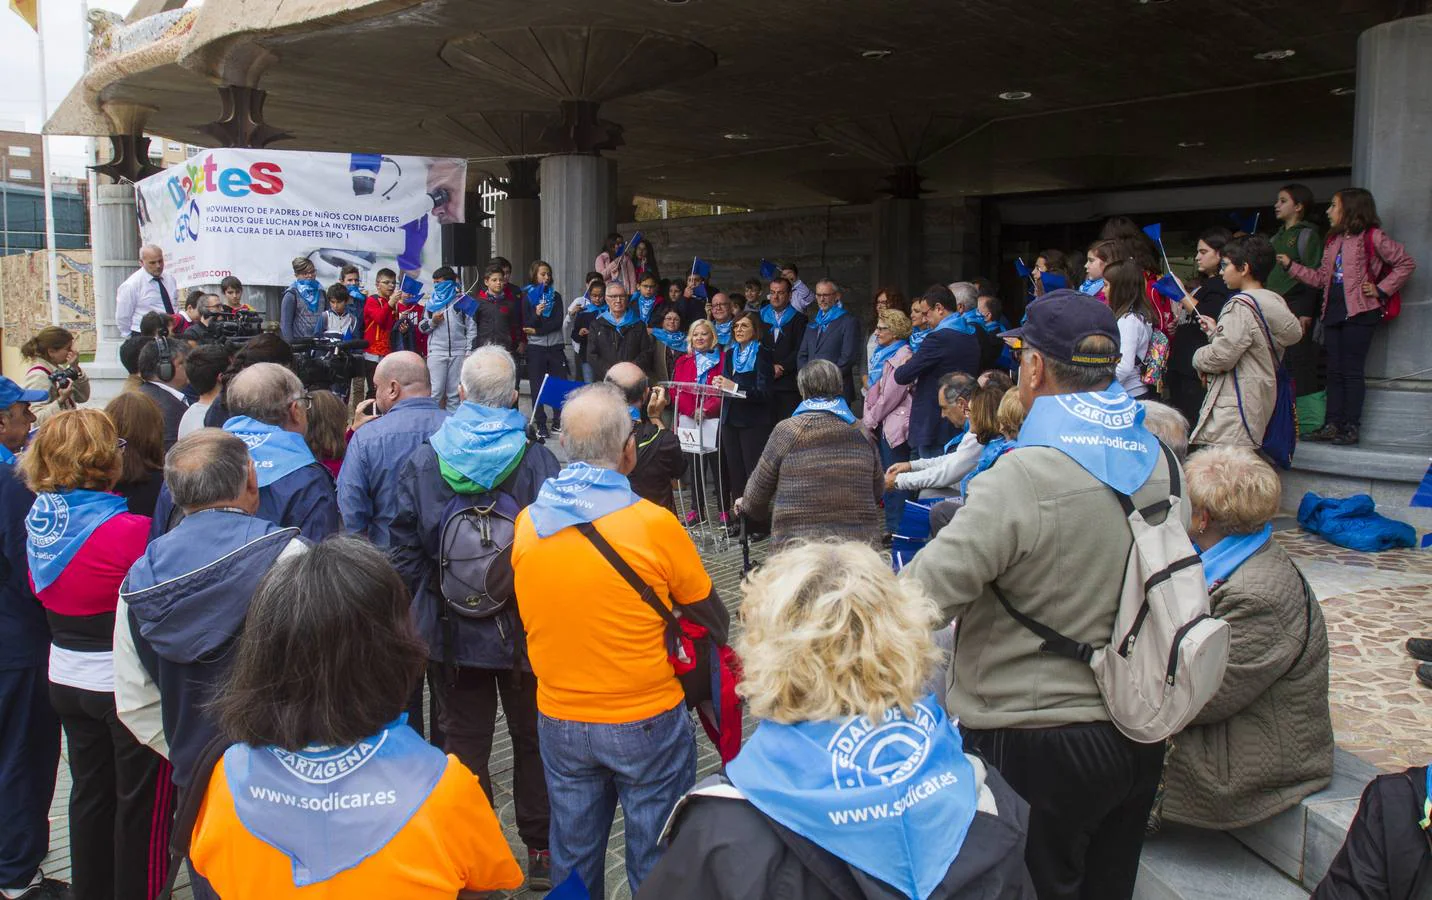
x=283 y=625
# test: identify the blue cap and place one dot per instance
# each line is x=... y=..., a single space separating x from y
x=1059 y=320
x=11 y=393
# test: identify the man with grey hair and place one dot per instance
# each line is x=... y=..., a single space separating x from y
x=477 y=459
x=149 y=289
x=966 y=294
x=399 y=416
x=1168 y=425
x=598 y=646
x=832 y=335
x=185 y=600
x=268 y=410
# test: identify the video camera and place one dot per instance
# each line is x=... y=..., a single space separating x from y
x=327 y=360
x=235 y=326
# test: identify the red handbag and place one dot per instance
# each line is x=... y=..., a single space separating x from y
x=1392 y=308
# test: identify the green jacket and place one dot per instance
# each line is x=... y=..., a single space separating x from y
x=1304 y=244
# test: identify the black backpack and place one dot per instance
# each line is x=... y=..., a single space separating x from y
x=475 y=553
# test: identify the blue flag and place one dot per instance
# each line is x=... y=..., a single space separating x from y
x=1155 y=231
x=768 y=269
x=699 y=291
x=412 y=287
x=554 y=391
x=700 y=267
x=1248 y=224
x=1021 y=268
x=630 y=246
x=1168 y=286
x=1423 y=497
x=571 y=889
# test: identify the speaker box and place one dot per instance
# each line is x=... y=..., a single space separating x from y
x=466 y=244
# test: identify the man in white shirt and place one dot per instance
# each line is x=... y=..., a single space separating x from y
x=148 y=289
x=801 y=295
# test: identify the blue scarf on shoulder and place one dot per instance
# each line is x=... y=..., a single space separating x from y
x=310 y=292
x=627 y=320
x=988 y=455
x=593 y=307
x=879 y=358
x=824 y=317
x=894 y=798
x=723 y=331
x=676 y=340
x=836 y=406
x=743 y=357
x=1101 y=431
x=776 y=321
x=579 y=493
x=917 y=337
x=275 y=452
x=1223 y=559
x=58 y=525
x=482 y=443
x=1091 y=286
x=705 y=362
x=645 y=304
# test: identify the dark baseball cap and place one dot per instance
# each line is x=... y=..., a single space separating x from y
x=1058 y=321
x=11 y=393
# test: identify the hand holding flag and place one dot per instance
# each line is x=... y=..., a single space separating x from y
x=768 y=269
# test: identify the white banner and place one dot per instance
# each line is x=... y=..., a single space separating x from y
x=248 y=213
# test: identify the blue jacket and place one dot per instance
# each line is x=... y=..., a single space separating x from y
x=24 y=632
x=840 y=343
x=188 y=596
x=943 y=351
x=497 y=642
x=302 y=499
x=368 y=481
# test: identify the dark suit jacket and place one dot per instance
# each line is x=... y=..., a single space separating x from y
x=172 y=407
x=943 y=351
x=785 y=352
x=839 y=342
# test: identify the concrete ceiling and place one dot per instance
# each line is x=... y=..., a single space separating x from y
x=1122 y=91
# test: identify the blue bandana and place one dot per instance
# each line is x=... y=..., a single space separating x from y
x=743 y=358
x=955 y=322
x=1103 y=432
x=481 y=442
x=580 y=493
x=275 y=452
x=893 y=799
x=723 y=332
x=776 y=321
x=628 y=319
x=836 y=407
x=988 y=455
x=644 y=305
x=444 y=293
x=917 y=337
x=826 y=316
x=58 y=526
x=589 y=306
x=676 y=340
x=357 y=294
x=6 y=456
x=1223 y=559
x=1091 y=286
x=879 y=358
x=292 y=800
x=537 y=295
x=705 y=362
x=310 y=292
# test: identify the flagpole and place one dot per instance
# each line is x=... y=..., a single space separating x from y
x=536 y=399
x=47 y=163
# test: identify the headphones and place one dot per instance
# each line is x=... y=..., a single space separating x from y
x=166 y=358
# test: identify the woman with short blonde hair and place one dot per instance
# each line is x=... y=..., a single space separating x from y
x=836 y=653
x=702 y=363
x=1265 y=739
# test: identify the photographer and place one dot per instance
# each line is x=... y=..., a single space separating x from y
x=55 y=369
x=201 y=310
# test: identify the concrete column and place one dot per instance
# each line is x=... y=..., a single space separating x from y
x=518 y=230
x=1392 y=143
x=578 y=211
x=115 y=239
x=898 y=255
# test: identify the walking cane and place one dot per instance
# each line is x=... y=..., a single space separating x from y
x=745 y=545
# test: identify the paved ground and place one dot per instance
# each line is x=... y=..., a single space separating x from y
x=1372 y=603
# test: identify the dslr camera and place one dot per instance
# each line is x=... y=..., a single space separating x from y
x=63 y=378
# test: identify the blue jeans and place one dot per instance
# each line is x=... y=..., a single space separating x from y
x=894 y=500
x=647 y=765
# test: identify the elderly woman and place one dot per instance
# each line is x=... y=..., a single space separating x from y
x=887 y=403
x=1265 y=740
x=820 y=474
x=745 y=421
x=836 y=653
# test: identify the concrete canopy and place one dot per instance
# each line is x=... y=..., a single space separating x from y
x=743 y=102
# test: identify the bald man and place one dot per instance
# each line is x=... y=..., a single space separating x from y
x=149 y=289
x=658 y=453
x=400 y=416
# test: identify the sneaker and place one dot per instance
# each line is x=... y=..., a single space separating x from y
x=1347 y=437
x=539 y=870
x=556 y=427
x=1424 y=675
x=693 y=517
x=1420 y=648
x=1326 y=433
x=725 y=519
x=39 y=888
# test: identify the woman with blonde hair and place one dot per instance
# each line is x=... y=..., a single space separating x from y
x=888 y=403
x=52 y=350
x=855 y=783
x=702 y=363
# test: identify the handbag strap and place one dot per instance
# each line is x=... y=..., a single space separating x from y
x=644 y=590
x=1248 y=301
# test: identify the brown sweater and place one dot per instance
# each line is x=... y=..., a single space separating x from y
x=817 y=478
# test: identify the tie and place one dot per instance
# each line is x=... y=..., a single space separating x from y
x=164 y=295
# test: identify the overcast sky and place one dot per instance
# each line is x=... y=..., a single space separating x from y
x=65 y=40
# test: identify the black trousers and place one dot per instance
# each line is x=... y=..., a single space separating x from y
x=1089 y=790
x=29 y=758
x=741 y=447
x=783 y=404
x=468 y=711
x=543 y=361
x=121 y=804
x=1347 y=344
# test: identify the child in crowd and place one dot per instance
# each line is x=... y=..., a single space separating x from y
x=337 y=321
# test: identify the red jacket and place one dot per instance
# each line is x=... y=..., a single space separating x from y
x=378 y=320
x=685 y=400
x=1393 y=264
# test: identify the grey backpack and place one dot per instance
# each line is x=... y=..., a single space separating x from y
x=1167 y=654
x=475 y=553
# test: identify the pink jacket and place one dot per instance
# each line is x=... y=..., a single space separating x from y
x=1393 y=262
x=887 y=405
x=620 y=269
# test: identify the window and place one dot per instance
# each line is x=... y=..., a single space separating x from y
x=20 y=151
x=191 y=151
x=21 y=175
x=176 y=147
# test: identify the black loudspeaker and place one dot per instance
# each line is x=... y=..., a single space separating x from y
x=466 y=244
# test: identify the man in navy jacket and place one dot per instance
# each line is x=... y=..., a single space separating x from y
x=945 y=349
x=833 y=334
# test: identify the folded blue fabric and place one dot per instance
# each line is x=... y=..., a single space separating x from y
x=1353 y=522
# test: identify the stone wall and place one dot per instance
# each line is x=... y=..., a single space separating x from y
x=25 y=289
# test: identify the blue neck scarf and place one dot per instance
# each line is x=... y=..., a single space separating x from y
x=1223 y=559
x=705 y=362
x=776 y=321
x=357 y=294
x=537 y=295
x=628 y=319
x=482 y=443
x=676 y=340
x=58 y=526
x=1103 y=432
x=6 y=456
x=723 y=332
x=591 y=306
x=988 y=455
x=444 y=293
x=310 y=292
x=917 y=337
x=879 y=358
x=580 y=493
x=955 y=322
x=835 y=406
x=894 y=799
x=275 y=452
x=743 y=357
x=826 y=316
x=290 y=800
x=644 y=305
x=954 y=442
x=1091 y=286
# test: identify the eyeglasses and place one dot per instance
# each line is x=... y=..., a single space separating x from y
x=826 y=296
x=121 y=444
x=882 y=327
x=304 y=400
